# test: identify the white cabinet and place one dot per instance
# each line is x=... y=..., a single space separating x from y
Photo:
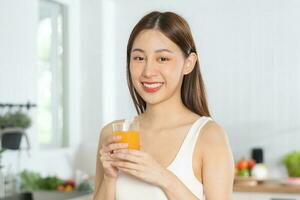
x=241 y=196
x=264 y=196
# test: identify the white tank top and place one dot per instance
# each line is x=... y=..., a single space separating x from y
x=130 y=188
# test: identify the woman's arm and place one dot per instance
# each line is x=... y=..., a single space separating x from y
x=104 y=187
x=106 y=191
x=218 y=164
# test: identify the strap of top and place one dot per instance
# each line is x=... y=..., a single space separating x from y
x=187 y=148
x=194 y=134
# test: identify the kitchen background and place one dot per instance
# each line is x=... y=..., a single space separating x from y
x=68 y=57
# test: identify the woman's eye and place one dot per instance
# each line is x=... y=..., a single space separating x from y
x=163 y=59
x=138 y=58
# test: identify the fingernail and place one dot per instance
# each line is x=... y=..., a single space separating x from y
x=117 y=137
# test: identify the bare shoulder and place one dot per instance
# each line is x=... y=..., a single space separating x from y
x=213 y=133
x=213 y=139
x=217 y=162
x=212 y=146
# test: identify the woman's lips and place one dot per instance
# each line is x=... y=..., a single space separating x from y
x=152 y=87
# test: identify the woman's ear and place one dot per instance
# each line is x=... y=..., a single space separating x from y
x=189 y=63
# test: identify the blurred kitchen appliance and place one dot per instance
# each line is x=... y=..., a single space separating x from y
x=257 y=154
x=260 y=170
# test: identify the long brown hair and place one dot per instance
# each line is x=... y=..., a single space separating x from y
x=174 y=27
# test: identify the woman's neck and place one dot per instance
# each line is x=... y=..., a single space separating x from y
x=165 y=114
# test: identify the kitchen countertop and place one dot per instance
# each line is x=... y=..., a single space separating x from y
x=85 y=197
x=51 y=195
x=268 y=187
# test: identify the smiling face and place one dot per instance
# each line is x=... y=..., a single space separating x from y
x=157 y=66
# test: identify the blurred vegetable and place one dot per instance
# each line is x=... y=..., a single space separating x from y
x=292 y=163
x=31 y=181
x=85 y=186
x=66 y=186
x=50 y=183
x=243 y=167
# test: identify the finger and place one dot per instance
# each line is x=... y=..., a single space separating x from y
x=105 y=158
x=105 y=151
x=107 y=165
x=102 y=152
x=127 y=157
x=134 y=152
x=116 y=146
x=109 y=149
x=126 y=165
x=112 y=139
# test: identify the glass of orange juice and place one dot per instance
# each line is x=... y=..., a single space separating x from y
x=129 y=130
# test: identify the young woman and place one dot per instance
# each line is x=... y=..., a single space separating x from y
x=185 y=155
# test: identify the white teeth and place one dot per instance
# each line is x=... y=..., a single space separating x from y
x=152 y=85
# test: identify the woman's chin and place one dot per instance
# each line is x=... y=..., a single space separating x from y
x=152 y=100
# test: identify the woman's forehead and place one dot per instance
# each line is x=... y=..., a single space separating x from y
x=154 y=40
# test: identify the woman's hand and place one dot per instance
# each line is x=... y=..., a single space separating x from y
x=141 y=165
x=110 y=145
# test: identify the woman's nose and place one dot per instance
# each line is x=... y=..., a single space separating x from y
x=149 y=69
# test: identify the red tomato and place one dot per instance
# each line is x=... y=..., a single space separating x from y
x=242 y=164
x=251 y=163
x=69 y=182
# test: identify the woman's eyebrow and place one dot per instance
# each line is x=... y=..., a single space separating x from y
x=137 y=49
x=157 y=51
x=167 y=50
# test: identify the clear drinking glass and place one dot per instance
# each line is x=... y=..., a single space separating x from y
x=129 y=130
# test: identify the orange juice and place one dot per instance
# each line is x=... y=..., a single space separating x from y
x=130 y=137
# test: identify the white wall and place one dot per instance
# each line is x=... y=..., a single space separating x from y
x=18 y=20
x=18 y=84
x=250 y=57
x=17 y=52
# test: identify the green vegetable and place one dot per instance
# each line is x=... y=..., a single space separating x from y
x=31 y=181
x=50 y=183
x=292 y=163
x=244 y=173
